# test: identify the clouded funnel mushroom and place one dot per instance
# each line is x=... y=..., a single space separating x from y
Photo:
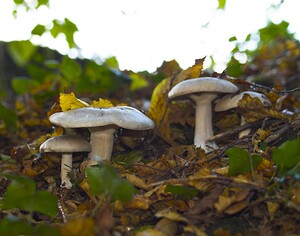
x=229 y=102
x=102 y=124
x=66 y=145
x=202 y=91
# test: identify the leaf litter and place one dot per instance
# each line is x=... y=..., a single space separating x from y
x=157 y=182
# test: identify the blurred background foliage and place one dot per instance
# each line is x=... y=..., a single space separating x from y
x=32 y=76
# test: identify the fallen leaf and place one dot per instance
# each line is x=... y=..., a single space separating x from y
x=70 y=102
x=81 y=226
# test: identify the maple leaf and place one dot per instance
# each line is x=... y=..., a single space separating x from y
x=102 y=103
x=70 y=102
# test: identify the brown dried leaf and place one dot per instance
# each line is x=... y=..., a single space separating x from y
x=137 y=182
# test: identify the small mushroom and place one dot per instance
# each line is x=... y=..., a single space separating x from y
x=102 y=124
x=66 y=145
x=229 y=102
x=202 y=91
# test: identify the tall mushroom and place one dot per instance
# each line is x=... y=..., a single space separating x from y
x=202 y=91
x=102 y=124
x=229 y=102
x=66 y=145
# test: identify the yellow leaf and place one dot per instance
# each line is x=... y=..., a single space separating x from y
x=137 y=182
x=150 y=232
x=166 y=226
x=82 y=226
x=171 y=215
x=272 y=208
x=138 y=202
x=102 y=103
x=70 y=102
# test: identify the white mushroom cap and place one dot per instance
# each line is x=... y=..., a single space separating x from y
x=66 y=145
x=122 y=116
x=229 y=102
x=202 y=91
x=201 y=85
x=102 y=123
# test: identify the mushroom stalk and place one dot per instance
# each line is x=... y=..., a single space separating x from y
x=102 y=141
x=203 y=121
x=66 y=167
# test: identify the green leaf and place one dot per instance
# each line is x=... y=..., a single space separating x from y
x=138 y=81
x=124 y=191
x=23 y=85
x=112 y=62
x=233 y=38
x=21 y=51
x=105 y=180
x=273 y=31
x=239 y=161
x=181 y=192
x=9 y=117
x=42 y=3
x=287 y=155
x=39 y=30
x=65 y=27
x=70 y=68
x=222 y=4
x=11 y=225
x=21 y=194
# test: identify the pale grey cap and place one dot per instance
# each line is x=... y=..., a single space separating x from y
x=229 y=102
x=89 y=117
x=202 y=85
x=66 y=144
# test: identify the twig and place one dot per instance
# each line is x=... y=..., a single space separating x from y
x=213 y=179
x=234 y=131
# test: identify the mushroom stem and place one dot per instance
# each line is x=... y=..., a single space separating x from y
x=203 y=121
x=66 y=167
x=102 y=141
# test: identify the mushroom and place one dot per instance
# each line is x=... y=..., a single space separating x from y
x=66 y=145
x=102 y=124
x=202 y=91
x=229 y=102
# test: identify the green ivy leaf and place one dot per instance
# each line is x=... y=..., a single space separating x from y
x=239 y=161
x=287 y=155
x=39 y=30
x=22 y=194
x=181 y=192
x=66 y=27
x=105 y=180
